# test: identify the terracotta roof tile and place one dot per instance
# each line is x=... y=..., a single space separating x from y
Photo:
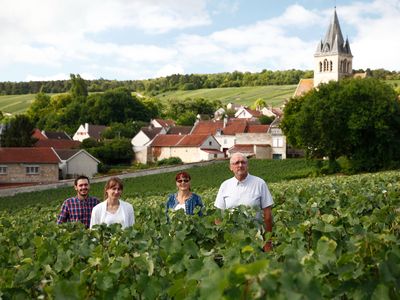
x=232 y=127
x=166 y=140
x=37 y=134
x=194 y=140
x=165 y=123
x=28 y=155
x=304 y=86
x=257 y=128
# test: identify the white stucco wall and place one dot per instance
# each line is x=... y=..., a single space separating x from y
x=140 y=139
x=80 y=164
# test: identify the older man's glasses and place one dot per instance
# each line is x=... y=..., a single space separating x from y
x=236 y=163
x=183 y=180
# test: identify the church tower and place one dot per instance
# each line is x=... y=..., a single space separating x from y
x=333 y=59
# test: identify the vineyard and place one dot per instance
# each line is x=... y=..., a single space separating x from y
x=334 y=238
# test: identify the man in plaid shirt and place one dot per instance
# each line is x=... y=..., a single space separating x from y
x=79 y=208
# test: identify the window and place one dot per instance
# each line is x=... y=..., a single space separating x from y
x=32 y=170
x=277 y=142
x=276 y=156
x=3 y=169
x=210 y=143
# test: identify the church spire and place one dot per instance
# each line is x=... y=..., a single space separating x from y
x=333 y=58
x=333 y=43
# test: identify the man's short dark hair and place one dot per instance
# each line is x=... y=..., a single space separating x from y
x=79 y=178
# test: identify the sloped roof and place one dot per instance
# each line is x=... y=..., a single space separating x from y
x=257 y=128
x=151 y=132
x=207 y=127
x=180 y=130
x=278 y=112
x=245 y=149
x=333 y=41
x=305 y=85
x=165 y=123
x=95 y=131
x=192 y=140
x=254 y=113
x=60 y=135
x=166 y=140
x=177 y=140
x=37 y=134
x=212 y=151
x=28 y=155
x=233 y=126
x=58 y=144
x=66 y=154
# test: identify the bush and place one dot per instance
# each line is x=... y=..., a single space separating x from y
x=169 y=161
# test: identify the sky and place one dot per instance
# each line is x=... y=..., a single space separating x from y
x=142 y=39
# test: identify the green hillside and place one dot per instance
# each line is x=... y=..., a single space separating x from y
x=273 y=94
x=15 y=104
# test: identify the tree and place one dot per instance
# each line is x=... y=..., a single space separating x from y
x=78 y=86
x=18 y=132
x=259 y=104
x=356 y=118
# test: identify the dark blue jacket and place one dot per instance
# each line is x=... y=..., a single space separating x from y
x=190 y=204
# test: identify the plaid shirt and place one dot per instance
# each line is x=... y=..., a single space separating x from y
x=75 y=210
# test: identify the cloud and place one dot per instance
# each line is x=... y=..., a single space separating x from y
x=175 y=36
x=375 y=45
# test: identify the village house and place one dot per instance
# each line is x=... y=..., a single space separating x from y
x=247 y=113
x=28 y=165
x=75 y=162
x=189 y=148
x=87 y=130
x=162 y=123
x=140 y=142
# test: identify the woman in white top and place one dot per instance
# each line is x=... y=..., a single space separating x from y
x=113 y=210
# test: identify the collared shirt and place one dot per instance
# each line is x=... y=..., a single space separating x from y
x=75 y=210
x=252 y=191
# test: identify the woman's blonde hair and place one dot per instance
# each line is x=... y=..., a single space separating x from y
x=113 y=181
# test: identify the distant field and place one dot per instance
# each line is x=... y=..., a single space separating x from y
x=16 y=104
x=274 y=95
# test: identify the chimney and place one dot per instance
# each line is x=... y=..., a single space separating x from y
x=225 y=121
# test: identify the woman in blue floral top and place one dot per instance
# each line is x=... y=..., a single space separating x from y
x=184 y=198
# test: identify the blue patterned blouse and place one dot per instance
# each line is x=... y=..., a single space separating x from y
x=190 y=204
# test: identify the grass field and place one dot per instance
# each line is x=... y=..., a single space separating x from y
x=274 y=95
x=15 y=104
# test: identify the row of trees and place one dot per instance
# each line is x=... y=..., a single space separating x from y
x=358 y=119
x=179 y=82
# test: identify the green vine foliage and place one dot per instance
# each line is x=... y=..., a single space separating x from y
x=334 y=238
